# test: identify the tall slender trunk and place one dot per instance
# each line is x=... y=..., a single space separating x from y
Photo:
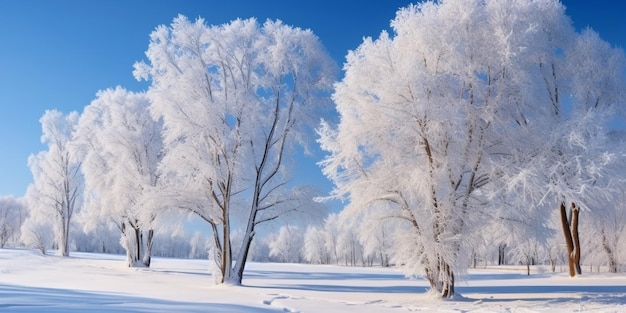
x=217 y=257
x=576 y=238
x=242 y=257
x=568 y=239
x=240 y=265
x=227 y=261
x=65 y=235
x=138 y=243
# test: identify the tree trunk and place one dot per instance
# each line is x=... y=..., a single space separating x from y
x=448 y=282
x=217 y=257
x=147 y=257
x=576 y=238
x=137 y=255
x=138 y=243
x=568 y=239
x=572 y=239
x=501 y=254
x=243 y=257
x=441 y=278
x=227 y=261
x=64 y=250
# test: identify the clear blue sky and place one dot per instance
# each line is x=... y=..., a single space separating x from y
x=58 y=54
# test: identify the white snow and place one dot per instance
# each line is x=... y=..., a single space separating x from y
x=30 y=282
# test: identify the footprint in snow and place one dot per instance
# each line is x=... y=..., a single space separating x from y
x=280 y=297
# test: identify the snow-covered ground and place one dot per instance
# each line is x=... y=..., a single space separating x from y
x=30 y=282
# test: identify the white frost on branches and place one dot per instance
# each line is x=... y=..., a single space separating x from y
x=234 y=99
x=472 y=111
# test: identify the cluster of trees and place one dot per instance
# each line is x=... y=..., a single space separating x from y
x=12 y=215
x=473 y=133
x=209 y=138
x=475 y=113
x=339 y=241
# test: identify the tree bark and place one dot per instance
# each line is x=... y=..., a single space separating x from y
x=138 y=252
x=441 y=279
x=501 y=254
x=572 y=238
x=64 y=243
x=568 y=239
x=242 y=258
x=448 y=284
x=138 y=243
x=576 y=238
x=227 y=261
x=147 y=258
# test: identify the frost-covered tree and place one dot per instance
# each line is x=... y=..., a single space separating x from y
x=234 y=98
x=563 y=158
x=377 y=238
x=315 y=246
x=605 y=230
x=37 y=232
x=121 y=146
x=609 y=230
x=200 y=246
x=172 y=245
x=350 y=248
x=457 y=103
x=12 y=215
x=528 y=253
x=104 y=238
x=287 y=246
x=55 y=194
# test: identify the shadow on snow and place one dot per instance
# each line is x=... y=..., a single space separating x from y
x=354 y=282
x=322 y=275
x=49 y=300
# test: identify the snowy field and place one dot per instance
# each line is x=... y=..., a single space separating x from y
x=30 y=282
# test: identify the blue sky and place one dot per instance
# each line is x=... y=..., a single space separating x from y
x=58 y=54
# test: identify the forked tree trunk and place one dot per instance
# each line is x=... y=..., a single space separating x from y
x=571 y=238
x=138 y=251
x=441 y=278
